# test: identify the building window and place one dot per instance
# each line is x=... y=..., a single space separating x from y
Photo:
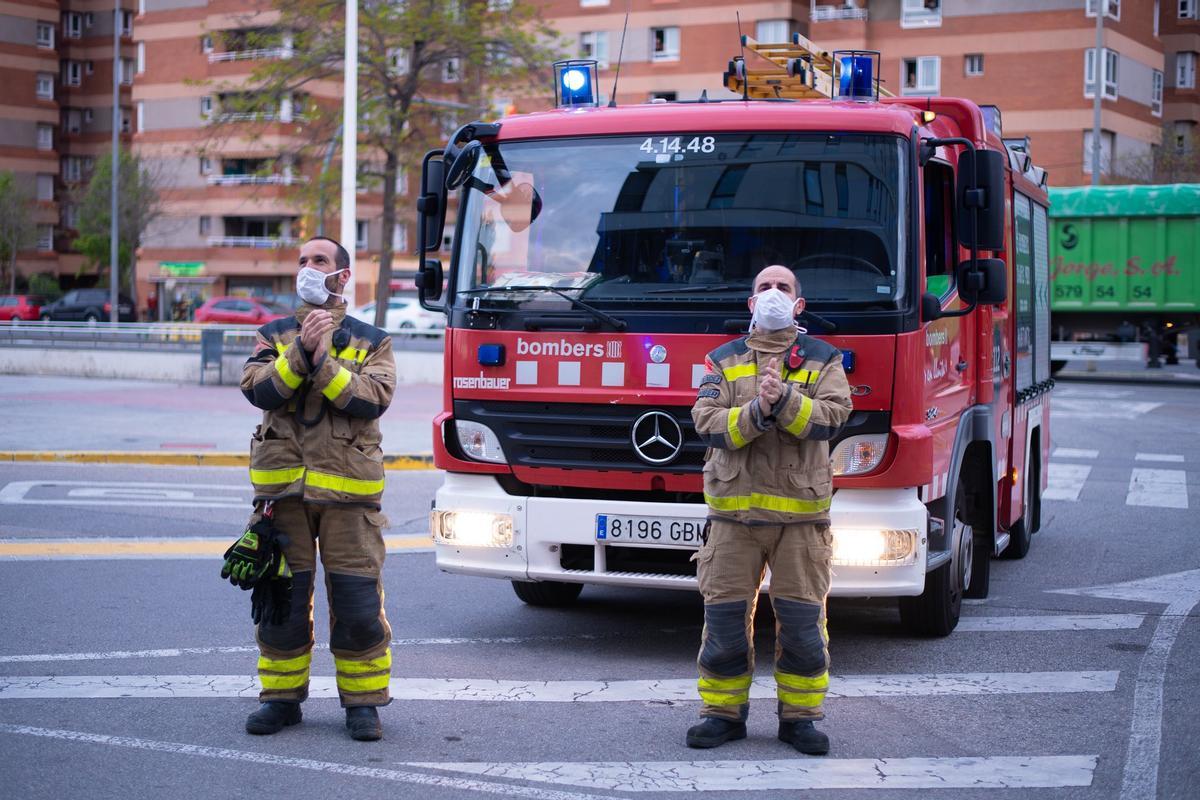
x=592 y=3
x=71 y=118
x=205 y=226
x=1187 y=9
x=451 y=70
x=920 y=13
x=45 y=188
x=773 y=31
x=45 y=137
x=920 y=76
x=664 y=43
x=1185 y=70
x=401 y=181
x=206 y=106
x=1106 y=151
x=206 y=44
x=127 y=68
x=594 y=44
x=361 y=229
x=1156 y=93
x=45 y=34
x=398 y=58
x=72 y=73
x=72 y=24
x=87 y=116
x=663 y=97
x=45 y=241
x=1113 y=9
x=70 y=216
x=141 y=115
x=126 y=122
x=141 y=57
x=71 y=169
x=89 y=67
x=1157 y=11
x=974 y=64
x=1111 y=60
x=88 y=20
x=400 y=238
x=45 y=86
x=1185 y=132
x=126 y=23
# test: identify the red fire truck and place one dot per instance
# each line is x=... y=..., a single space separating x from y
x=601 y=252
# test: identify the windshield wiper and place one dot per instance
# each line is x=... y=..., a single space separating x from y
x=619 y=324
x=696 y=288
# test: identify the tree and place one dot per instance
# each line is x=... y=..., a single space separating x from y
x=1175 y=160
x=424 y=67
x=138 y=205
x=17 y=228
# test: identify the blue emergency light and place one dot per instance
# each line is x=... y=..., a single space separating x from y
x=491 y=355
x=856 y=76
x=575 y=84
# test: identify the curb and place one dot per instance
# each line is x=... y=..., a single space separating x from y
x=412 y=461
x=1128 y=377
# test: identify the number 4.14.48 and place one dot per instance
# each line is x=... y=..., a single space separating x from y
x=675 y=144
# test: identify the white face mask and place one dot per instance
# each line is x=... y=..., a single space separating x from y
x=773 y=311
x=310 y=285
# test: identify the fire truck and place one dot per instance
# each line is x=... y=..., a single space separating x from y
x=600 y=253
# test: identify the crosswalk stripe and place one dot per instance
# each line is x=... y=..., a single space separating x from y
x=1175 y=459
x=1051 y=622
x=987 y=772
x=50 y=687
x=1161 y=488
x=1065 y=481
x=1072 y=452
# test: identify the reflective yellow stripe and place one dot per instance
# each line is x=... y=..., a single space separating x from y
x=338 y=483
x=725 y=684
x=336 y=386
x=797 y=425
x=375 y=683
x=806 y=700
x=271 y=681
x=739 y=371
x=272 y=477
x=802 y=375
x=767 y=502
x=725 y=691
x=383 y=663
x=286 y=664
x=787 y=680
x=735 y=435
x=351 y=354
x=280 y=347
x=290 y=379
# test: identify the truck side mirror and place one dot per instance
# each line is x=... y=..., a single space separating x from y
x=430 y=278
x=981 y=190
x=431 y=205
x=984 y=282
x=931 y=307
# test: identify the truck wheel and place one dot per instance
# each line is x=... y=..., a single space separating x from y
x=936 y=610
x=547 y=594
x=1021 y=532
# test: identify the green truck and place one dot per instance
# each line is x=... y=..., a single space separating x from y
x=1124 y=270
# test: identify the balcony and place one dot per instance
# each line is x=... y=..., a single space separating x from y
x=833 y=13
x=261 y=54
x=256 y=180
x=254 y=242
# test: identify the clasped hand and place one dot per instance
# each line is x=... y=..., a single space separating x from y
x=313 y=332
x=770 y=388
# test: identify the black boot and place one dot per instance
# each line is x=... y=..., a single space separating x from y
x=714 y=731
x=363 y=723
x=272 y=716
x=803 y=736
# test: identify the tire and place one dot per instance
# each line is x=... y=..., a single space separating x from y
x=91 y=317
x=1021 y=533
x=44 y=318
x=936 y=610
x=547 y=594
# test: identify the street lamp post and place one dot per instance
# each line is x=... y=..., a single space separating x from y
x=114 y=269
x=350 y=144
x=1098 y=66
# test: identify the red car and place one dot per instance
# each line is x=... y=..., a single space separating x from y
x=240 y=311
x=17 y=307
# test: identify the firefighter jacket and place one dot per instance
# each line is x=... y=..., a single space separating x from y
x=771 y=469
x=319 y=438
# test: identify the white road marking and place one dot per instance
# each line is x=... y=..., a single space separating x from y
x=1180 y=592
x=49 y=687
x=1065 y=622
x=1089 y=392
x=1175 y=459
x=1065 y=481
x=225 y=754
x=1072 y=452
x=1161 y=488
x=790 y=774
x=1066 y=407
x=126 y=494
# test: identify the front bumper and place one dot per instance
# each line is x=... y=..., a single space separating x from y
x=554 y=539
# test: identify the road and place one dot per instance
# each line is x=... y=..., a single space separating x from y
x=125 y=663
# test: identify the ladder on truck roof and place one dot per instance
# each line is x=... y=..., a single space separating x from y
x=799 y=70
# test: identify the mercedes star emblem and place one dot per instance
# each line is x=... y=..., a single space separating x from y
x=658 y=354
x=657 y=437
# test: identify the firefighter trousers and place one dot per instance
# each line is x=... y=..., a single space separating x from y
x=350 y=542
x=730 y=569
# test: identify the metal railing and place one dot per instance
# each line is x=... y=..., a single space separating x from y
x=831 y=13
x=254 y=180
x=250 y=55
x=257 y=242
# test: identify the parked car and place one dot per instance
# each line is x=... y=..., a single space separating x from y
x=88 y=305
x=404 y=315
x=17 y=307
x=289 y=301
x=240 y=311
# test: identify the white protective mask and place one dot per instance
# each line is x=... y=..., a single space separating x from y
x=310 y=285
x=773 y=311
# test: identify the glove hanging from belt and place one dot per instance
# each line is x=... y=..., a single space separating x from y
x=271 y=600
x=257 y=553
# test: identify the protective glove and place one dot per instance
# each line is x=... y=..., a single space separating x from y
x=249 y=558
x=271 y=600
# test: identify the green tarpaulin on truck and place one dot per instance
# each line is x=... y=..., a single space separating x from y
x=1171 y=200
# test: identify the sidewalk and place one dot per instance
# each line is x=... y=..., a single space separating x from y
x=1181 y=374
x=48 y=413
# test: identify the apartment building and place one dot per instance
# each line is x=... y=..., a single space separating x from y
x=1032 y=58
x=56 y=71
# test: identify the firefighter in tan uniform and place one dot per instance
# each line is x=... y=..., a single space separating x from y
x=767 y=406
x=323 y=380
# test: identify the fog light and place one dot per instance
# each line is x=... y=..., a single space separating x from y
x=471 y=528
x=859 y=547
x=478 y=441
x=858 y=455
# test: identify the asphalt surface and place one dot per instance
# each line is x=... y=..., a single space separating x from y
x=81 y=632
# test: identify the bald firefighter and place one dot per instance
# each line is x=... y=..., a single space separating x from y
x=768 y=405
x=322 y=380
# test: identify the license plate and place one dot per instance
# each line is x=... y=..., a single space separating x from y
x=681 y=532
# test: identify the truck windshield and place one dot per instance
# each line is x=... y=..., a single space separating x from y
x=689 y=217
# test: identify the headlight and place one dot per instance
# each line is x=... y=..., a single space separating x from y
x=472 y=528
x=858 y=455
x=855 y=547
x=479 y=442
